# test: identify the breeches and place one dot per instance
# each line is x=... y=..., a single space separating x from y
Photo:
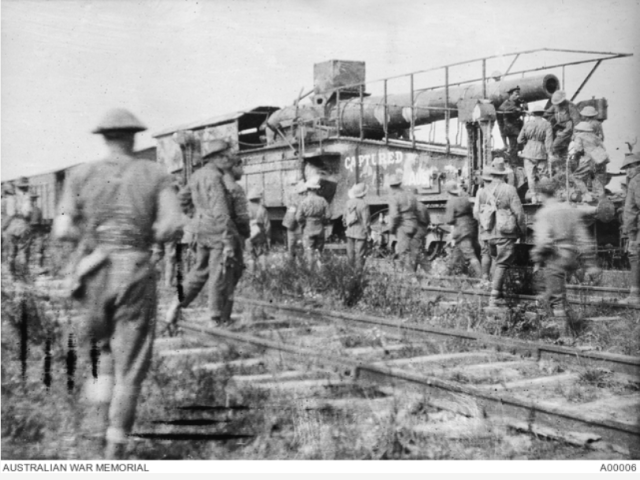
x=117 y=337
x=224 y=278
x=554 y=281
x=294 y=240
x=355 y=251
x=502 y=256
x=531 y=167
x=465 y=249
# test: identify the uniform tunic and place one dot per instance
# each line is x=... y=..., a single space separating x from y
x=358 y=232
x=423 y=220
x=261 y=229
x=459 y=213
x=537 y=135
x=116 y=205
x=402 y=218
x=312 y=214
x=563 y=119
x=512 y=125
x=632 y=227
x=585 y=143
x=217 y=225
x=560 y=237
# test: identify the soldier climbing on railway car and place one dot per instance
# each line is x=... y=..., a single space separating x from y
x=18 y=231
x=259 y=241
x=512 y=110
x=561 y=239
x=459 y=214
x=537 y=138
x=312 y=215
x=588 y=114
x=508 y=224
x=632 y=223
x=587 y=149
x=294 y=232
x=402 y=220
x=218 y=226
x=563 y=116
x=114 y=210
x=357 y=221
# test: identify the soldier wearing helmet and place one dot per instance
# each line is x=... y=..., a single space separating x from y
x=512 y=111
x=560 y=238
x=357 y=220
x=592 y=158
x=590 y=115
x=219 y=225
x=17 y=231
x=114 y=210
x=459 y=214
x=632 y=223
x=563 y=116
x=403 y=221
x=259 y=240
x=312 y=214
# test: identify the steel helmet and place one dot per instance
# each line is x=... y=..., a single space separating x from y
x=589 y=111
x=559 y=96
x=119 y=119
x=254 y=194
x=452 y=187
x=395 y=180
x=359 y=190
x=630 y=159
x=214 y=147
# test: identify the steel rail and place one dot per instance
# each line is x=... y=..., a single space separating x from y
x=452 y=395
x=540 y=351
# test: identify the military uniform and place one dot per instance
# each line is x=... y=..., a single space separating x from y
x=258 y=242
x=37 y=242
x=18 y=233
x=560 y=238
x=503 y=244
x=312 y=214
x=218 y=239
x=417 y=244
x=294 y=232
x=357 y=220
x=563 y=116
x=585 y=143
x=632 y=225
x=512 y=111
x=117 y=208
x=483 y=234
x=459 y=213
x=537 y=135
x=402 y=219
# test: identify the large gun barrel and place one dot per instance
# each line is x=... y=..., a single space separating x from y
x=431 y=105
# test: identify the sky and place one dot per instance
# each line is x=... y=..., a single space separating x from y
x=66 y=62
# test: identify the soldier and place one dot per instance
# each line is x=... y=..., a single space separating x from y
x=8 y=210
x=217 y=228
x=632 y=223
x=593 y=161
x=357 y=220
x=589 y=115
x=563 y=116
x=417 y=245
x=484 y=234
x=402 y=219
x=512 y=111
x=537 y=138
x=312 y=215
x=294 y=232
x=37 y=241
x=259 y=240
x=560 y=238
x=459 y=213
x=116 y=208
x=18 y=231
x=508 y=226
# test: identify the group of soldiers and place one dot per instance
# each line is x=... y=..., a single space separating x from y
x=114 y=225
x=23 y=228
x=555 y=142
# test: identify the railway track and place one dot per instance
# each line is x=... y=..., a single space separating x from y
x=543 y=389
x=581 y=397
